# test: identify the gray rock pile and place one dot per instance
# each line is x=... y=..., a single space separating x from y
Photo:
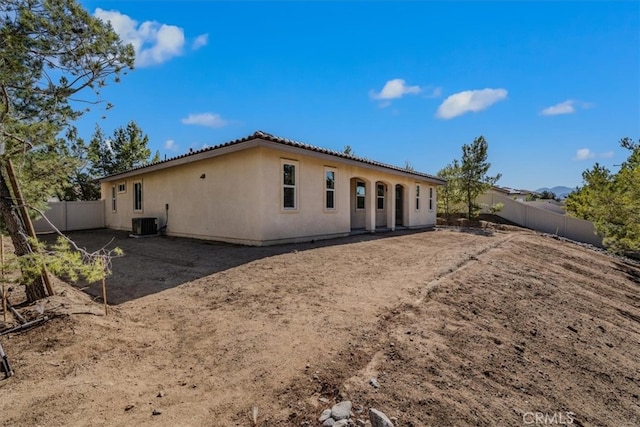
x=340 y=415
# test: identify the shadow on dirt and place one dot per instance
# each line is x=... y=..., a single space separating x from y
x=633 y=274
x=154 y=264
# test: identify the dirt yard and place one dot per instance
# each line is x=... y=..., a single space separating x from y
x=458 y=328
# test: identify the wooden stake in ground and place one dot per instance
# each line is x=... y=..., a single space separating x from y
x=4 y=291
x=104 y=288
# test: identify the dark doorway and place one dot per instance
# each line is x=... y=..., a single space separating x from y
x=399 y=204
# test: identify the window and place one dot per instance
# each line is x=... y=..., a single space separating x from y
x=113 y=198
x=430 y=198
x=330 y=189
x=417 y=197
x=360 y=194
x=137 y=196
x=122 y=187
x=289 y=186
x=380 y=196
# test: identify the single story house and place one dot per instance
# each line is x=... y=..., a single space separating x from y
x=263 y=189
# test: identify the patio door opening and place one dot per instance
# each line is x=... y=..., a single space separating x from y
x=399 y=204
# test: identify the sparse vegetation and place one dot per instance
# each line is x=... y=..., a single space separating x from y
x=495 y=208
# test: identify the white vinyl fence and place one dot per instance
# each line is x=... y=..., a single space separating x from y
x=542 y=220
x=70 y=216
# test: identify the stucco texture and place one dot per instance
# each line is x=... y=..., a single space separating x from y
x=237 y=196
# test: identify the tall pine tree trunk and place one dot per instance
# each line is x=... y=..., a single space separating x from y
x=35 y=288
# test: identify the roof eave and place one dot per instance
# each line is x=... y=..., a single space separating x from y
x=267 y=140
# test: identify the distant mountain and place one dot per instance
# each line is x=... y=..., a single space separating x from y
x=560 y=190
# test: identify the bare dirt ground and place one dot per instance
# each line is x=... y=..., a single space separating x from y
x=459 y=327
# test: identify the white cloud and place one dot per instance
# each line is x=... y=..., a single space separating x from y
x=171 y=145
x=394 y=89
x=200 y=41
x=153 y=42
x=565 y=107
x=469 y=100
x=211 y=120
x=584 y=154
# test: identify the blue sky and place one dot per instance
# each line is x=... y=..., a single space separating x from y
x=552 y=86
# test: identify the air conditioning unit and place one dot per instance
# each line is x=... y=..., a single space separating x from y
x=144 y=226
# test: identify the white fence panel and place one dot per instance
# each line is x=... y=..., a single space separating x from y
x=56 y=214
x=582 y=231
x=72 y=216
x=542 y=220
x=545 y=221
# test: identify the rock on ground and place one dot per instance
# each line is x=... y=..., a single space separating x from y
x=341 y=411
x=379 y=419
x=329 y=422
x=325 y=415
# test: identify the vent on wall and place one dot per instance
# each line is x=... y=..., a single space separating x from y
x=144 y=226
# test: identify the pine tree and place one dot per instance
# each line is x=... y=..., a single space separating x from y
x=612 y=201
x=50 y=52
x=466 y=179
x=473 y=173
x=127 y=149
x=450 y=196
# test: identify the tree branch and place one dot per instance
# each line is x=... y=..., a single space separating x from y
x=105 y=255
x=5 y=97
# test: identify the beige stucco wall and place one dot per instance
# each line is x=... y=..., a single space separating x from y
x=310 y=218
x=240 y=198
x=223 y=205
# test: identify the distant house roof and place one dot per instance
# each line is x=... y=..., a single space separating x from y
x=550 y=205
x=253 y=140
x=512 y=191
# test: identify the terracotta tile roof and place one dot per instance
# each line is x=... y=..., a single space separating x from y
x=289 y=142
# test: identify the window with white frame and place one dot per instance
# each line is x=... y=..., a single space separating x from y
x=122 y=187
x=289 y=189
x=430 y=198
x=113 y=199
x=137 y=196
x=330 y=189
x=417 y=197
x=380 y=196
x=360 y=194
